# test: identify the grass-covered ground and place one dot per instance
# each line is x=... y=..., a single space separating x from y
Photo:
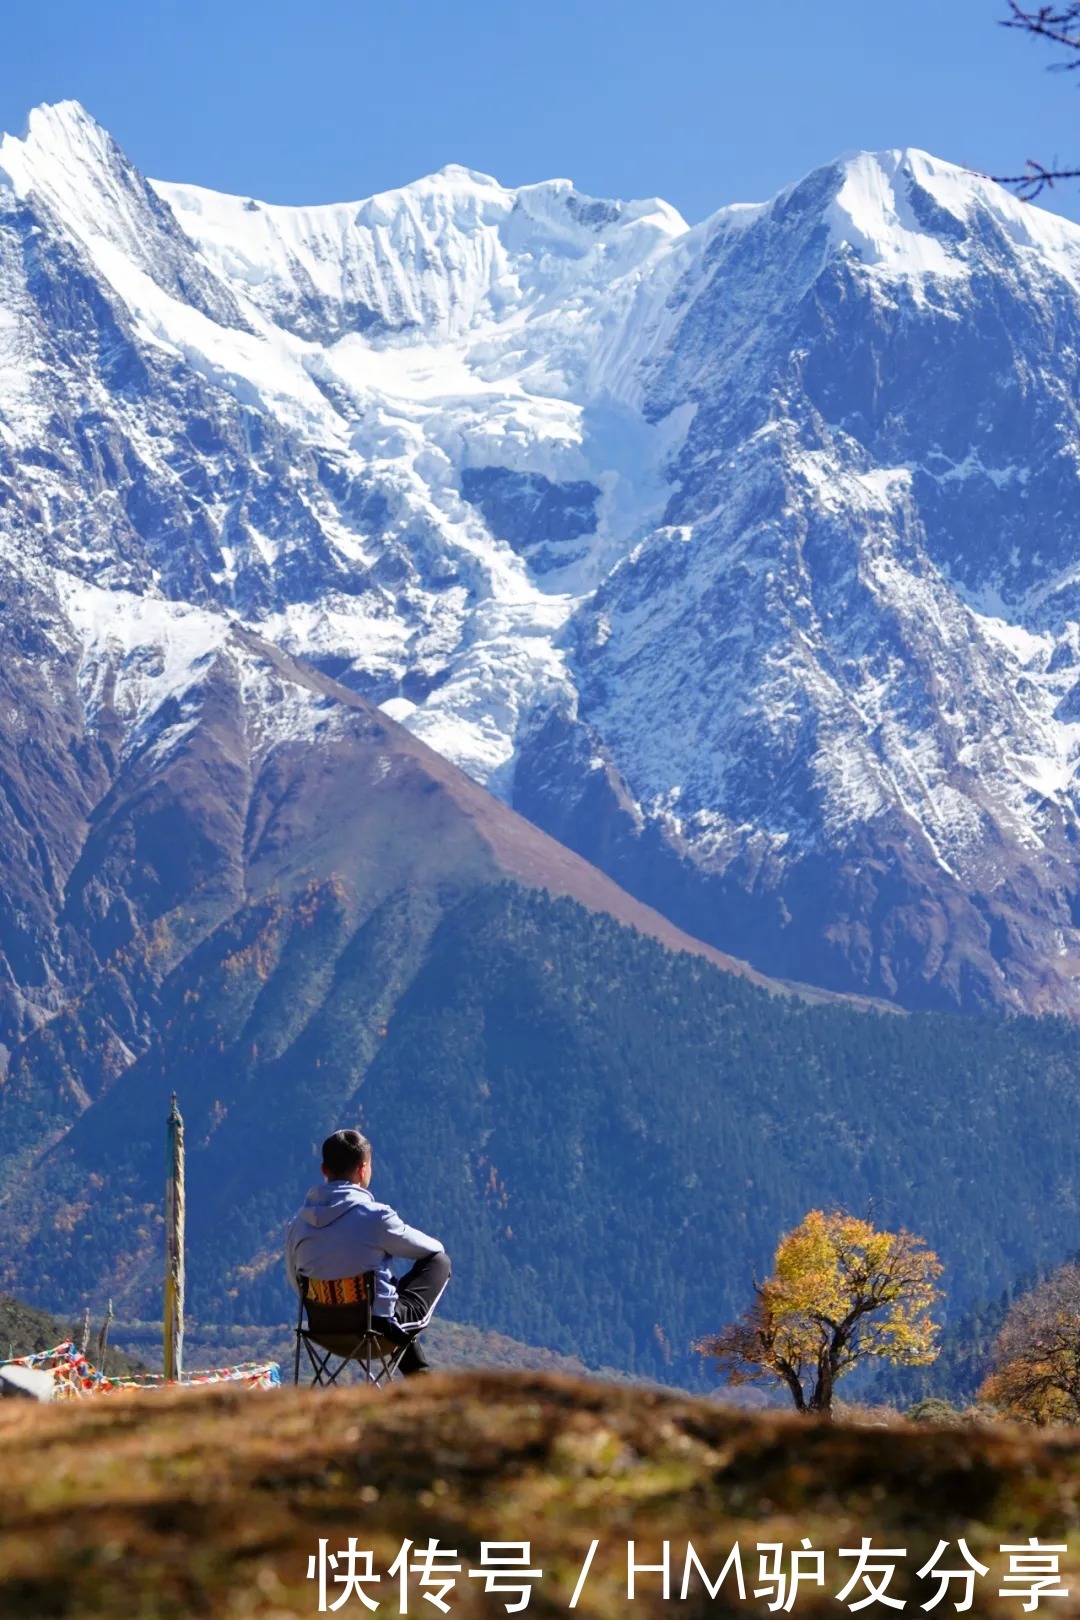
x=209 y=1503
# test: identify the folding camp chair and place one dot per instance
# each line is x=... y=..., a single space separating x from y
x=340 y=1328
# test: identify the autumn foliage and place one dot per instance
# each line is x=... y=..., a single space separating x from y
x=840 y=1292
x=1035 y=1376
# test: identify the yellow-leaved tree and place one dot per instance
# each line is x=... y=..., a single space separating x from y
x=1035 y=1367
x=840 y=1292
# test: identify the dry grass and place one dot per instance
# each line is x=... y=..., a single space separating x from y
x=209 y=1502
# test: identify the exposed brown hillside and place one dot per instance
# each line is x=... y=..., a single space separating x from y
x=517 y=848
x=210 y=1503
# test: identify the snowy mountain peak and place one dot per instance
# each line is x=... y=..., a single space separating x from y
x=66 y=158
x=94 y=200
x=432 y=258
x=744 y=558
x=914 y=214
x=456 y=173
x=62 y=130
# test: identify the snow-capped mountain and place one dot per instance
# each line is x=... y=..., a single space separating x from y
x=744 y=558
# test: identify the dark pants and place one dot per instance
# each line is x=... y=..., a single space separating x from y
x=419 y=1291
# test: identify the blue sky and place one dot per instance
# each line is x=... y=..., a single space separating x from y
x=702 y=102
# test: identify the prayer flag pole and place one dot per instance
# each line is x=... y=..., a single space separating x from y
x=103 y=1338
x=174 y=1245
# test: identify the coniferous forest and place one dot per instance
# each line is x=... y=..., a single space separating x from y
x=609 y=1137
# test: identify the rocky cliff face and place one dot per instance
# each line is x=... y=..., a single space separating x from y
x=828 y=702
x=742 y=558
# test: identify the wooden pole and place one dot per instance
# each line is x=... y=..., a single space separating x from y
x=103 y=1338
x=174 y=1245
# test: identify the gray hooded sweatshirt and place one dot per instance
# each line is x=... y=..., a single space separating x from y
x=341 y=1231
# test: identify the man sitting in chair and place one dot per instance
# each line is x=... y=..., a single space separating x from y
x=342 y=1232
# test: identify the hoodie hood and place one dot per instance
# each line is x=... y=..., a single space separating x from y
x=331 y=1200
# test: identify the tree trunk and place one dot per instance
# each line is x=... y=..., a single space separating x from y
x=822 y=1398
x=791 y=1378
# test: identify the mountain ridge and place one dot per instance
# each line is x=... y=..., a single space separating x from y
x=684 y=541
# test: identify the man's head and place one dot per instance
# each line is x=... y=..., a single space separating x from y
x=346 y=1156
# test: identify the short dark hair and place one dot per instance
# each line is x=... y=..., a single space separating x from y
x=344 y=1153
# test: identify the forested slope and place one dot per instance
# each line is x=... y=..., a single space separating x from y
x=608 y=1136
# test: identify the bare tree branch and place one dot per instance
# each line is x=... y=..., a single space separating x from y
x=1035 y=180
x=1059 y=25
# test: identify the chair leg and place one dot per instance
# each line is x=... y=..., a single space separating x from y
x=378 y=1365
x=389 y=1362
x=320 y=1365
x=326 y=1374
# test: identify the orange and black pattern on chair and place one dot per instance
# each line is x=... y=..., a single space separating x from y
x=342 y=1291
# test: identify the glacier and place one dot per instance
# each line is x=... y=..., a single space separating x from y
x=744 y=557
